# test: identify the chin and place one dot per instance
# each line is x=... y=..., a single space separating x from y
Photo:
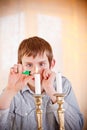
x=31 y=85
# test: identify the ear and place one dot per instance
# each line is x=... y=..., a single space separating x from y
x=52 y=63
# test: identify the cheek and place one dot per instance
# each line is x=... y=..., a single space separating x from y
x=41 y=75
x=25 y=68
x=41 y=72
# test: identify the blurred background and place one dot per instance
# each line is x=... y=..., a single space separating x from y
x=63 y=23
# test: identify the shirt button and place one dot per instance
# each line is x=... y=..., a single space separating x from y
x=26 y=114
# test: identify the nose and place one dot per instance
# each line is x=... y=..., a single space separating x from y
x=35 y=69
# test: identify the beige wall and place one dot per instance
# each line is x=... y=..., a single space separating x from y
x=24 y=18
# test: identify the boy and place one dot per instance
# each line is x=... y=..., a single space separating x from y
x=17 y=107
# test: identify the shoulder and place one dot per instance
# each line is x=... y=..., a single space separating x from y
x=66 y=85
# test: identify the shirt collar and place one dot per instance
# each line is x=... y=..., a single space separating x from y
x=26 y=88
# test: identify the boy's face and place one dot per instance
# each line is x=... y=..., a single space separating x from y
x=40 y=62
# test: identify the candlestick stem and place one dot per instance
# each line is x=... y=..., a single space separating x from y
x=38 y=102
x=60 y=111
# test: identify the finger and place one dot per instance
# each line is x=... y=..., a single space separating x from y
x=46 y=74
x=12 y=70
x=20 y=68
x=15 y=68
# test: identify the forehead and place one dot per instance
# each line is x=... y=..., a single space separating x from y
x=37 y=58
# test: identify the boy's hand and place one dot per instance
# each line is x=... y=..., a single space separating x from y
x=16 y=80
x=47 y=83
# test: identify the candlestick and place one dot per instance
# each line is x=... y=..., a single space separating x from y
x=59 y=82
x=60 y=111
x=38 y=102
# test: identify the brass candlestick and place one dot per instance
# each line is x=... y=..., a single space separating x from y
x=38 y=102
x=60 y=101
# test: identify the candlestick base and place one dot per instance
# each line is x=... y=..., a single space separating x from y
x=60 y=111
x=38 y=102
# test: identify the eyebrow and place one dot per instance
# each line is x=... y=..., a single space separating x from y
x=28 y=62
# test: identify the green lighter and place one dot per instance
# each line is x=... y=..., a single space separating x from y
x=27 y=72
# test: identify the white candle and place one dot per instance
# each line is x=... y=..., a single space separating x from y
x=37 y=83
x=59 y=82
